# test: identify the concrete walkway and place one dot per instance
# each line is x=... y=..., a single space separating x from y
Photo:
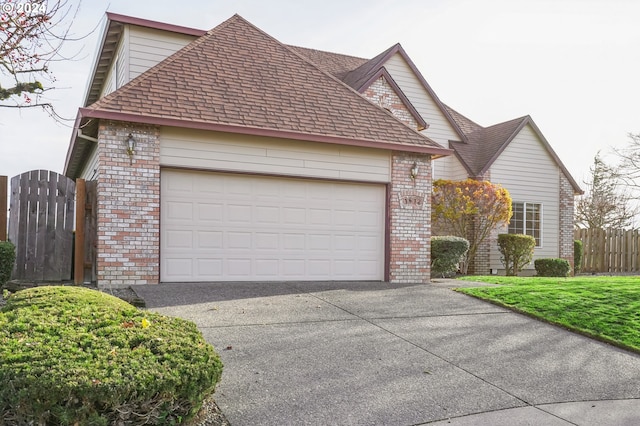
x=371 y=353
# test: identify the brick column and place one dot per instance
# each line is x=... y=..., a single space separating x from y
x=128 y=205
x=566 y=220
x=410 y=219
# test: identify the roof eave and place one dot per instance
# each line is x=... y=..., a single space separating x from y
x=124 y=19
x=257 y=131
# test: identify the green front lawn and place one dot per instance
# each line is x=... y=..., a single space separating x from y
x=607 y=308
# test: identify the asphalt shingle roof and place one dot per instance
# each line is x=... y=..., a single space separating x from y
x=237 y=75
x=484 y=144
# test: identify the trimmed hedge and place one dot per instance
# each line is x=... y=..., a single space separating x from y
x=446 y=254
x=578 y=253
x=70 y=355
x=552 y=267
x=7 y=260
x=516 y=251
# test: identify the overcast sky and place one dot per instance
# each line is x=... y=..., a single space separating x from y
x=573 y=65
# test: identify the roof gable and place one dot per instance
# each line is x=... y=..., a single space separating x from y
x=485 y=144
x=239 y=77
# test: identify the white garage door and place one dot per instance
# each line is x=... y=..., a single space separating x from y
x=240 y=228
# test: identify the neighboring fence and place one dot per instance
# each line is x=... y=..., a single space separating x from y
x=610 y=250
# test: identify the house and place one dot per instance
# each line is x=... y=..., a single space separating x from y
x=225 y=155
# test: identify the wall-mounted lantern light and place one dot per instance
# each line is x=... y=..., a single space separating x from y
x=131 y=147
x=414 y=171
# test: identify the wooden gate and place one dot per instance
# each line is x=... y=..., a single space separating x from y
x=41 y=225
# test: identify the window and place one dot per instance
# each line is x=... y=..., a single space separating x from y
x=527 y=219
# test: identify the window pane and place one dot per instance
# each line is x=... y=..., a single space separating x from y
x=533 y=222
x=516 y=226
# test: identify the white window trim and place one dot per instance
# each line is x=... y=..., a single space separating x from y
x=524 y=220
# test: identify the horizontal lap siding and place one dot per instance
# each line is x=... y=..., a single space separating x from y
x=148 y=47
x=529 y=173
x=121 y=52
x=252 y=154
x=90 y=171
x=449 y=168
x=440 y=130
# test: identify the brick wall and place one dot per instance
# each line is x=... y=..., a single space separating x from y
x=381 y=93
x=566 y=219
x=128 y=205
x=410 y=219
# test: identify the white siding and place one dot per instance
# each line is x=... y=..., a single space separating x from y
x=120 y=56
x=148 y=47
x=449 y=168
x=440 y=130
x=91 y=166
x=252 y=154
x=530 y=175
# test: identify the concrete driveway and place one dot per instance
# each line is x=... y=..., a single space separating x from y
x=372 y=353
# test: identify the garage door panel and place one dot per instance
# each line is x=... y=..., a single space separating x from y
x=267 y=214
x=269 y=241
x=238 y=213
x=238 y=240
x=293 y=241
x=263 y=228
x=210 y=268
x=180 y=211
x=209 y=240
x=177 y=239
x=210 y=211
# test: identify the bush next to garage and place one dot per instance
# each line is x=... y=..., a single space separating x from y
x=71 y=355
x=446 y=253
x=552 y=267
x=7 y=259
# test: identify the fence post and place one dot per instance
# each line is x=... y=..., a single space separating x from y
x=3 y=207
x=78 y=265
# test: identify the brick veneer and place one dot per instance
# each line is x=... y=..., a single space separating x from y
x=128 y=205
x=410 y=219
x=381 y=93
x=566 y=219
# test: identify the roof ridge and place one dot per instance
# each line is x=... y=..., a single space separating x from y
x=325 y=51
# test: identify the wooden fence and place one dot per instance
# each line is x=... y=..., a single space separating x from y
x=40 y=225
x=610 y=250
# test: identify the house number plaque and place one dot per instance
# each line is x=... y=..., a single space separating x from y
x=411 y=200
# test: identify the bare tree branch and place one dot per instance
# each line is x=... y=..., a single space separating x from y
x=630 y=162
x=606 y=203
x=32 y=34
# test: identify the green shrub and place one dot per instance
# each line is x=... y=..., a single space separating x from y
x=516 y=251
x=70 y=355
x=7 y=259
x=446 y=254
x=578 y=253
x=552 y=267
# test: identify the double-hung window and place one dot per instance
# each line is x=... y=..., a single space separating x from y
x=527 y=219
